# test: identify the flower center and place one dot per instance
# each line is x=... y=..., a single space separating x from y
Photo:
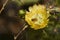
x=37 y=19
x=34 y=20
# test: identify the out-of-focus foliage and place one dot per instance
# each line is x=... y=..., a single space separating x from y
x=58 y=2
x=25 y=2
x=51 y=32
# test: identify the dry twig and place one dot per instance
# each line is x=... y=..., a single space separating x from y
x=3 y=6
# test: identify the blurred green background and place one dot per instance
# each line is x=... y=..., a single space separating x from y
x=52 y=31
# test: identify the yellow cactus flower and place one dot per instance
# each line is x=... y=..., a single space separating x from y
x=37 y=17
